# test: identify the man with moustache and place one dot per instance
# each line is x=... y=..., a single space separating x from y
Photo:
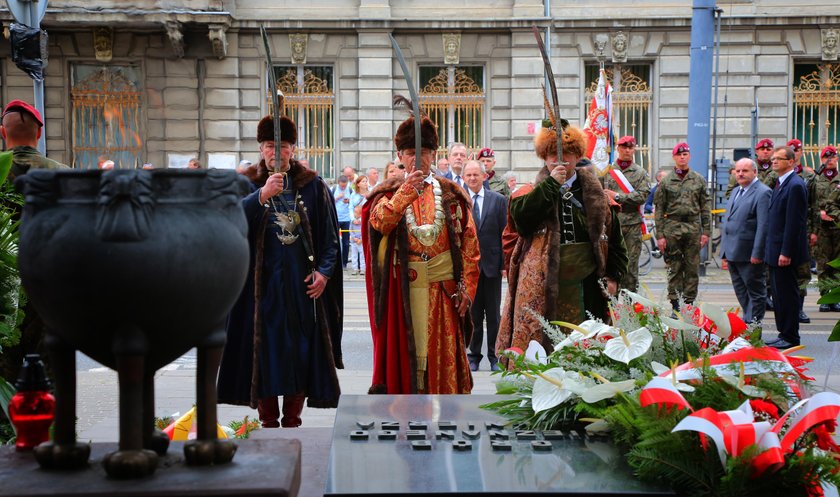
x=457 y=157
x=422 y=255
x=284 y=332
x=682 y=225
x=627 y=185
x=787 y=245
x=490 y=216
x=744 y=234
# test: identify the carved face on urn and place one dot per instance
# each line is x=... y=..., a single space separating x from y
x=451 y=48
x=297 y=42
x=830 y=39
x=619 y=47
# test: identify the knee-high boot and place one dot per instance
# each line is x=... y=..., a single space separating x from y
x=269 y=411
x=292 y=407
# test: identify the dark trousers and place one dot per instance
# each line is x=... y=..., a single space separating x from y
x=487 y=304
x=344 y=226
x=750 y=288
x=786 y=302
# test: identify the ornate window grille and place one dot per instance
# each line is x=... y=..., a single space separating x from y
x=106 y=115
x=454 y=99
x=632 y=99
x=816 y=108
x=310 y=103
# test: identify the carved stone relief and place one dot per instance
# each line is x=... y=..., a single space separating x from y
x=830 y=41
x=297 y=43
x=218 y=39
x=103 y=43
x=620 y=43
x=174 y=30
x=451 y=48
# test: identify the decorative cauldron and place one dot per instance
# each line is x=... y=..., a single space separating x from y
x=133 y=268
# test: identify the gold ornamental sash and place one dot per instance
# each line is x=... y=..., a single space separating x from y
x=438 y=268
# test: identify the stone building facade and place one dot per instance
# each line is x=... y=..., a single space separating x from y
x=161 y=81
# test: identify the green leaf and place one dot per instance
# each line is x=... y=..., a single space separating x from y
x=7 y=391
x=835 y=333
x=5 y=165
x=832 y=297
x=835 y=263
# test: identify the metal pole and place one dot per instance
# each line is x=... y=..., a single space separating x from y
x=700 y=93
x=713 y=177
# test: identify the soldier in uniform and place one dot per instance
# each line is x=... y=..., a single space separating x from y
x=827 y=213
x=494 y=181
x=763 y=153
x=627 y=184
x=682 y=220
x=21 y=129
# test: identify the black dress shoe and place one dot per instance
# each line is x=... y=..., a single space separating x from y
x=494 y=366
x=826 y=308
x=473 y=366
x=835 y=307
x=803 y=318
x=783 y=344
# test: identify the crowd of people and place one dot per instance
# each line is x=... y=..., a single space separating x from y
x=436 y=235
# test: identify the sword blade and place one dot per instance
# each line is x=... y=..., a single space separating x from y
x=414 y=103
x=553 y=87
x=272 y=91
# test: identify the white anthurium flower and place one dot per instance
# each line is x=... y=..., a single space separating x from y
x=636 y=298
x=536 y=354
x=606 y=389
x=678 y=324
x=736 y=345
x=553 y=387
x=719 y=317
x=570 y=341
x=659 y=369
x=740 y=383
x=587 y=329
x=629 y=346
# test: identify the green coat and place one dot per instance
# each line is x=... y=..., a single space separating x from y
x=499 y=185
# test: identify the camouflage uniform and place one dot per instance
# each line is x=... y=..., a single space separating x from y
x=766 y=174
x=630 y=218
x=682 y=215
x=499 y=185
x=828 y=233
x=25 y=158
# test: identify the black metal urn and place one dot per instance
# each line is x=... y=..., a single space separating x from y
x=133 y=268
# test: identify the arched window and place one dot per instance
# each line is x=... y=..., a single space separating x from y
x=632 y=97
x=106 y=115
x=310 y=103
x=816 y=108
x=454 y=97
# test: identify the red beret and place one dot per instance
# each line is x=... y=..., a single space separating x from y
x=764 y=143
x=486 y=152
x=680 y=148
x=828 y=151
x=627 y=140
x=21 y=106
x=795 y=144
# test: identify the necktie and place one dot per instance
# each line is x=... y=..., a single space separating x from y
x=738 y=195
x=458 y=180
x=476 y=210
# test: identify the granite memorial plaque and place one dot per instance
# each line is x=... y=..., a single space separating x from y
x=472 y=462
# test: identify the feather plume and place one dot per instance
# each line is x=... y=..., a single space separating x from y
x=548 y=109
x=402 y=103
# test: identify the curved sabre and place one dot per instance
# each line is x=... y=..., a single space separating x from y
x=413 y=94
x=553 y=87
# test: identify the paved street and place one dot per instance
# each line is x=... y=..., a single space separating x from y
x=175 y=384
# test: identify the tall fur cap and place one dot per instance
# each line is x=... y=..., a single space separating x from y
x=574 y=142
x=404 y=139
x=288 y=130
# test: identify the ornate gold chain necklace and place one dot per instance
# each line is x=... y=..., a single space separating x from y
x=287 y=221
x=427 y=234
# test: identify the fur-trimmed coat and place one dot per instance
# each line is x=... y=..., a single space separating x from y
x=247 y=366
x=388 y=286
x=535 y=264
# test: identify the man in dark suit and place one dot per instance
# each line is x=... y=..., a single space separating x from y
x=490 y=216
x=744 y=236
x=787 y=245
